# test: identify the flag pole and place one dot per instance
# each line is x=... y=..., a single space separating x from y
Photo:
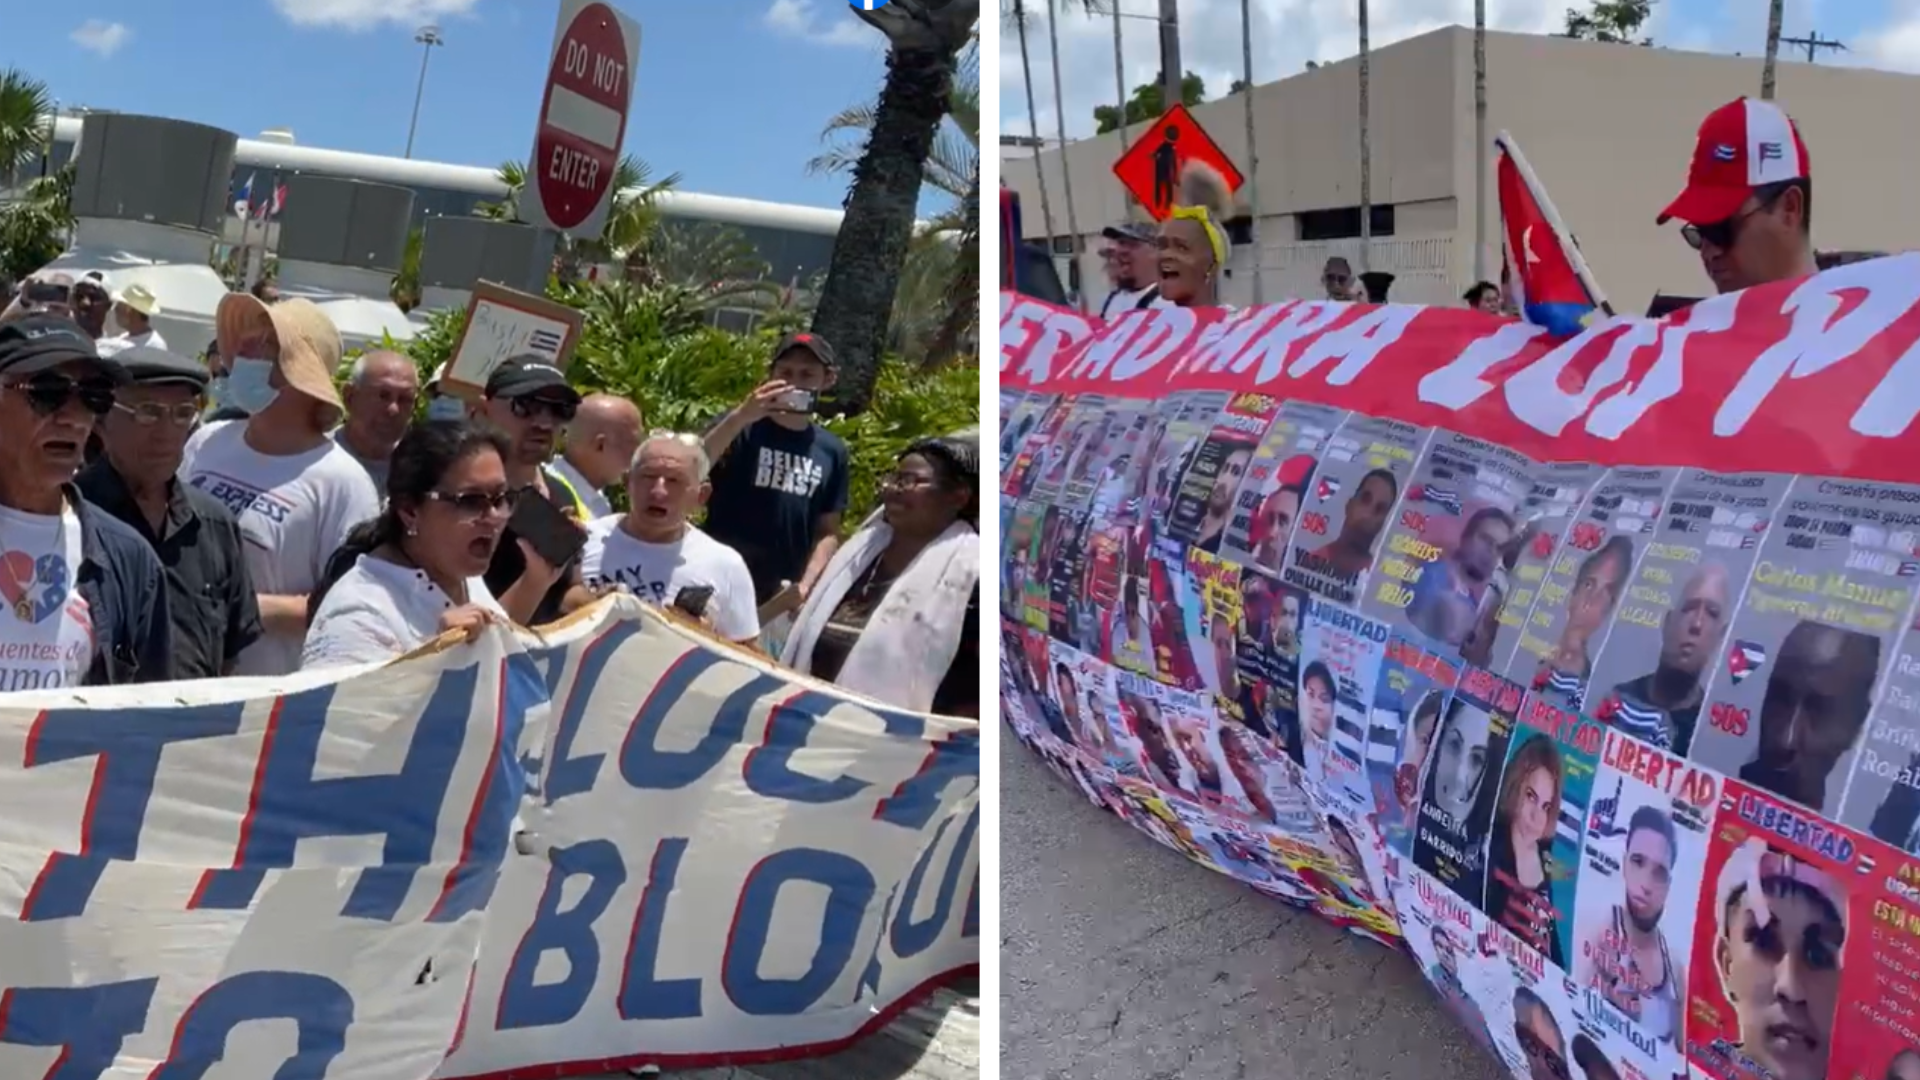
x=1560 y=233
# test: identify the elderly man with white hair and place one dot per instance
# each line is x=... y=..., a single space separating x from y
x=654 y=552
x=380 y=394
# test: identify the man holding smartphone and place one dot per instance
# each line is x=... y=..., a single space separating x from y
x=780 y=479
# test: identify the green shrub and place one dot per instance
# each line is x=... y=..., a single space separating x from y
x=641 y=345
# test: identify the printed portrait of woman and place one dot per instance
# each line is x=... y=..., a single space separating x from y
x=1562 y=676
x=1519 y=854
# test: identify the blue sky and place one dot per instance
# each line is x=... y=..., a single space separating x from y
x=732 y=94
x=1287 y=33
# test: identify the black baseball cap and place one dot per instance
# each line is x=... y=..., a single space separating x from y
x=148 y=366
x=32 y=344
x=530 y=376
x=812 y=343
x=1136 y=232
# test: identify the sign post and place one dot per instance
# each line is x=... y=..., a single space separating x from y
x=583 y=119
x=1150 y=169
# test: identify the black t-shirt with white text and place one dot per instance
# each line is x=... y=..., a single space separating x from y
x=769 y=490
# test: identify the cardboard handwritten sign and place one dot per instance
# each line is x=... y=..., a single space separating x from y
x=502 y=324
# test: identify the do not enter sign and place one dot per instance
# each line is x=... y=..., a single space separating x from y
x=583 y=119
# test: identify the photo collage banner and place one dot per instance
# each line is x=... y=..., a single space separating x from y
x=1586 y=671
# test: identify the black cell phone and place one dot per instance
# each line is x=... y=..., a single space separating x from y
x=694 y=600
x=553 y=534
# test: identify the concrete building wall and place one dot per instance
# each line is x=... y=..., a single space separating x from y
x=1608 y=129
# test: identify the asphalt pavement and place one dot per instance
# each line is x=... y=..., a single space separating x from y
x=1120 y=959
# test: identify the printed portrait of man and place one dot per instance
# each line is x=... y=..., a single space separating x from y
x=1593 y=1063
x=1286 y=628
x=1065 y=718
x=1213 y=523
x=1161 y=764
x=1444 y=974
x=1190 y=736
x=1351 y=552
x=1662 y=707
x=1447 y=596
x=1778 y=957
x=1819 y=692
x=1460 y=761
x=1629 y=959
x=1318 y=693
x=1904 y=1066
x=1541 y=1041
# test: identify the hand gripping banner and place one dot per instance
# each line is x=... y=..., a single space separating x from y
x=618 y=845
x=1582 y=669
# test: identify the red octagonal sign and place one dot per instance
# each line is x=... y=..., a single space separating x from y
x=583 y=118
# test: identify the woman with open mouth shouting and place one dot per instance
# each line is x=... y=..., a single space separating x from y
x=417 y=570
x=1193 y=245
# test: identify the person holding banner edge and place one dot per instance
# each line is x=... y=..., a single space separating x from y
x=1748 y=203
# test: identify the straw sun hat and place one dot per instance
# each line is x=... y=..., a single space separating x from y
x=310 y=348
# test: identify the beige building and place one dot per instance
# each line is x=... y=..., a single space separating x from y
x=1608 y=130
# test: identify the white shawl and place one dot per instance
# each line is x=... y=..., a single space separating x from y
x=914 y=633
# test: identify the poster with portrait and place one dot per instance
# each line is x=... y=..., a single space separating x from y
x=1121 y=494
x=1780 y=905
x=1883 y=798
x=1189 y=416
x=1017 y=426
x=1037 y=573
x=1176 y=605
x=1645 y=845
x=1270 y=627
x=1818 y=622
x=1546 y=518
x=1204 y=500
x=1462 y=779
x=1441 y=571
x=1076 y=439
x=1412 y=696
x=1018 y=532
x=1456 y=950
x=1213 y=622
x=1073 y=616
x=1543 y=1030
x=1097 y=481
x=1358 y=483
x=1580 y=592
x=1097 y=719
x=1340 y=659
x=1020 y=682
x=1101 y=439
x=1277 y=484
x=1538 y=823
x=1650 y=678
x=1130 y=614
x=1011 y=398
x=1044 y=416
x=1877 y=1033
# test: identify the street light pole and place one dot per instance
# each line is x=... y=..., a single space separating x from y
x=427 y=38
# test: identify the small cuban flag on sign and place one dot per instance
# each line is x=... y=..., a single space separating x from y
x=867 y=5
x=1745 y=658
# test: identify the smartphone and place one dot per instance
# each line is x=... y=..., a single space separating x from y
x=694 y=599
x=552 y=533
x=797 y=400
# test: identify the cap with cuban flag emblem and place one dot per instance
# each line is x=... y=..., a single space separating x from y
x=1742 y=145
x=867 y=5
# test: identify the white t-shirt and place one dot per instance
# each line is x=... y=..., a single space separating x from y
x=46 y=631
x=657 y=572
x=596 y=503
x=380 y=610
x=294 y=512
x=108 y=346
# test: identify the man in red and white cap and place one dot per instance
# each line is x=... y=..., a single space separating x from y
x=1748 y=202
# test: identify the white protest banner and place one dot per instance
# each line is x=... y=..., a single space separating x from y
x=315 y=876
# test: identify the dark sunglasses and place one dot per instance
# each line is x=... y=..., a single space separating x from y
x=526 y=408
x=1724 y=234
x=48 y=394
x=478 y=503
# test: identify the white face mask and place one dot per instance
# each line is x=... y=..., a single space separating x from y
x=250 y=384
x=446 y=407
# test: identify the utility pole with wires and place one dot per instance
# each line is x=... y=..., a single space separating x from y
x=1813 y=42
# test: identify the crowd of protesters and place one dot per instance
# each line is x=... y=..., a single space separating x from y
x=1746 y=210
x=266 y=508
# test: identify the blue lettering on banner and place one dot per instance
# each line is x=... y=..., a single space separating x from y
x=470 y=884
x=648 y=768
x=850 y=891
x=913 y=803
x=971 y=926
x=129 y=743
x=321 y=1008
x=642 y=996
x=290 y=804
x=570 y=775
x=525 y=1003
x=912 y=938
x=88 y=1023
x=769 y=766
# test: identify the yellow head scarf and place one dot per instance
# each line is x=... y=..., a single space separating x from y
x=1215 y=238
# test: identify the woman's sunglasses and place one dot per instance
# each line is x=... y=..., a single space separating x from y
x=48 y=394
x=478 y=503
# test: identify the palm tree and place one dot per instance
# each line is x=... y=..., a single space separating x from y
x=631 y=223
x=1366 y=151
x=1060 y=128
x=1019 y=20
x=34 y=227
x=925 y=42
x=26 y=110
x=1482 y=149
x=1773 y=48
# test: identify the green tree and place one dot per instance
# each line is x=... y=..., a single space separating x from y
x=631 y=223
x=1612 y=21
x=34 y=226
x=26 y=111
x=925 y=41
x=1146 y=104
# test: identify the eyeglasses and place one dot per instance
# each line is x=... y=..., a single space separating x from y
x=475 y=504
x=526 y=408
x=48 y=394
x=907 y=481
x=1724 y=234
x=149 y=413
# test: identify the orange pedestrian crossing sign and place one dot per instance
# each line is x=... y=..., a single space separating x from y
x=1150 y=169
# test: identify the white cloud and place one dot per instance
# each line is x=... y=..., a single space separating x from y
x=100 y=36
x=367 y=14
x=797 y=19
x=1895 y=46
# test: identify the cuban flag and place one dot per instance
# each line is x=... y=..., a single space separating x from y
x=1745 y=658
x=1328 y=487
x=1444 y=498
x=243 y=198
x=1544 y=264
